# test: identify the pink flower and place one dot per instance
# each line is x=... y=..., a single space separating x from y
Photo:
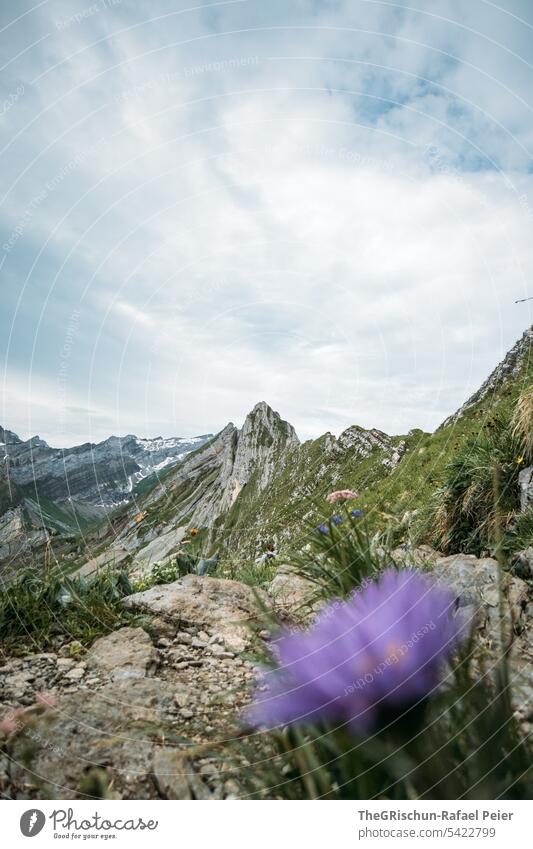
x=8 y=726
x=341 y=495
x=45 y=700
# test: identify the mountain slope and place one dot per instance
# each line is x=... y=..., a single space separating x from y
x=47 y=492
x=244 y=489
x=279 y=498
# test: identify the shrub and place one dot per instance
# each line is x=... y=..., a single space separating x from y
x=480 y=487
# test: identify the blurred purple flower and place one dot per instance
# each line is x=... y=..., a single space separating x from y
x=375 y=655
x=356 y=514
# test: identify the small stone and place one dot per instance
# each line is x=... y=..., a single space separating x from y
x=183 y=637
x=181 y=697
x=76 y=674
x=64 y=663
x=186 y=713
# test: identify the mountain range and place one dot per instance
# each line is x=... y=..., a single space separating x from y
x=132 y=501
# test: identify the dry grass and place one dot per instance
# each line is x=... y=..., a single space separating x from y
x=523 y=422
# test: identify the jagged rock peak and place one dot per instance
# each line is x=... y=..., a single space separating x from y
x=264 y=416
x=509 y=367
x=263 y=444
x=7 y=437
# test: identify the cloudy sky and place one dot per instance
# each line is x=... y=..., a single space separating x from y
x=324 y=204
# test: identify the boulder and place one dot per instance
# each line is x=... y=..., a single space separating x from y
x=291 y=594
x=523 y=563
x=112 y=729
x=124 y=654
x=525 y=482
x=476 y=582
x=225 y=606
x=421 y=557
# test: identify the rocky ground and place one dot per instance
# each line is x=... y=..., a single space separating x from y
x=147 y=712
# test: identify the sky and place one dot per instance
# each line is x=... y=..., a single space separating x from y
x=323 y=204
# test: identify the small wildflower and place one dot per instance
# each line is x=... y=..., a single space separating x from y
x=341 y=495
x=45 y=700
x=356 y=514
x=324 y=528
x=193 y=532
x=8 y=726
x=519 y=461
x=378 y=654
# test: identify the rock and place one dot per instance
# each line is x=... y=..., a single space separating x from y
x=476 y=582
x=523 y=563
x=291 y=594
x=181 y=696
x=525 y=482
x=170 y=772
x=226 y=606
x=111 y=728
x=160 y=550
x=421 y=557
x=113 y=556
x=124 y=654
x=76 y=673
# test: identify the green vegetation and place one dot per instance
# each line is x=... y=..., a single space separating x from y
x=166 y=573
x=44 y=605
x=247 y=571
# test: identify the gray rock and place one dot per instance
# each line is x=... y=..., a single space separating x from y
x=523 y=563
x=292 y=595
x=225 y=606
x=171 y=770
x=160 y=550
x=110 y=728
x=525 y=482
x=124 y=654
x=476 y=582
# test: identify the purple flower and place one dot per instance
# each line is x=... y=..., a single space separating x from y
x=356 y=514
x=335 y=520
x=374 y=655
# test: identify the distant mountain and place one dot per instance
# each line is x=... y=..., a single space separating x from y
x=102 y=474
x=241 y=489
x=251 y=486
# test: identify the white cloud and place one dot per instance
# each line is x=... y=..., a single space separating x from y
x=273 y=229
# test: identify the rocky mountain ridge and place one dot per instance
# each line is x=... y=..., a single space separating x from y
x=246 y=489
x=47 y=491
x=516 y=359
x=102 y=474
